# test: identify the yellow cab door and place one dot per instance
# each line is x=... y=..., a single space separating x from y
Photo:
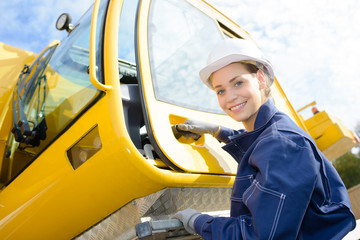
x=174 y=39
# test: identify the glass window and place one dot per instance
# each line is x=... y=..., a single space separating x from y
x=180 y=39
x=126 y=46
x=69 y=89
x=126 y=31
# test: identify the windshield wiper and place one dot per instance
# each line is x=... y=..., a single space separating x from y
x=23 y=93
x=21 y=129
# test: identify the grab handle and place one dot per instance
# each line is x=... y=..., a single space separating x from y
x=92 y=56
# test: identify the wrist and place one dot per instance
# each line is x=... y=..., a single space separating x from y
x=192 y=221
x=217 y=132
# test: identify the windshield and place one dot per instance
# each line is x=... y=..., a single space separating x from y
x=178 y=53
x=52 y=94
x=57 y=87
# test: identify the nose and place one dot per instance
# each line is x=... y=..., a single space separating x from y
x=230 y=96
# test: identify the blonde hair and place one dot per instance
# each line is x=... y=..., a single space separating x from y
x=253 y=68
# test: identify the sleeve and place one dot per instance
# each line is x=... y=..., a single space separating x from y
x=225 y=133
x=278 y=197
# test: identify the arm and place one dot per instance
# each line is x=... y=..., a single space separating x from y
x=224 y=134
x=278 y=197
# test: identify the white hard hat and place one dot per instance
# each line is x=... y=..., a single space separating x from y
x=232 y=50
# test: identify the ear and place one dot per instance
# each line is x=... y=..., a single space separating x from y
x=261 y=79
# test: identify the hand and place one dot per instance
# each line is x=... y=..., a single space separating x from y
x=197 y=128
x=187 y=217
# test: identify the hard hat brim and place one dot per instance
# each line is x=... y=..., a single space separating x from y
x=206 y=72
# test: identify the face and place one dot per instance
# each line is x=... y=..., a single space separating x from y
x=240 y=93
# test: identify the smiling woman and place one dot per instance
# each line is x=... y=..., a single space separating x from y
x=270 y=152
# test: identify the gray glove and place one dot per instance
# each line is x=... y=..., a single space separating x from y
x=188 y=217
x=197 y=128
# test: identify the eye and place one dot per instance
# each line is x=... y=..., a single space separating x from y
x=238 y=83
x=220 y=92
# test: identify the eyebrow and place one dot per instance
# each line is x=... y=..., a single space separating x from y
x=230 y=81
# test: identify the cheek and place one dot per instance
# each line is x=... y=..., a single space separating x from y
x=221 y=102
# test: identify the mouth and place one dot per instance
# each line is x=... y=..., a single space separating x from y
x=237 y=107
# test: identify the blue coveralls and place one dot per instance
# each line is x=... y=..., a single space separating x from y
x=285 y=188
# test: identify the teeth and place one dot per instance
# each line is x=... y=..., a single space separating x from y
x=237 y=107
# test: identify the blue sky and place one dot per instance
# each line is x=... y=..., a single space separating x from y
x=313 y=45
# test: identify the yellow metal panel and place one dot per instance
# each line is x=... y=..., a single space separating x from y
x=50 y=200
x=49 y=194
x=12 y=62
x=331 y=137
x=317 y=119
x=318 y=131
x=318 y=123
x=335 y=140
x=333 y=134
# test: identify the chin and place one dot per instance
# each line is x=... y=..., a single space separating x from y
x=237 y=118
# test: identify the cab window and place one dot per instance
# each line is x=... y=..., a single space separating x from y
x=52 y=95
x=126 y=48
x=180 y=38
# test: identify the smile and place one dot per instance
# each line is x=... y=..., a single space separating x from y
x=237 y=107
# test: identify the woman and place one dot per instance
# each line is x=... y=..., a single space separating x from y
x=285 y=188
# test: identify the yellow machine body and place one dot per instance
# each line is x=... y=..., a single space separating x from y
x=330 y=135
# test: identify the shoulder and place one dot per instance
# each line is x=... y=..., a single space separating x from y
x=283 y=130
x=283 y=140
x=284 y=152
x=278 y=141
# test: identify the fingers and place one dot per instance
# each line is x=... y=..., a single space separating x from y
x=192 y=135
x=191 y=121
x=183 y=127
x=185 y=130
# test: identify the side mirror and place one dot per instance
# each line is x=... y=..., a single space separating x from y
x=64 y=23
